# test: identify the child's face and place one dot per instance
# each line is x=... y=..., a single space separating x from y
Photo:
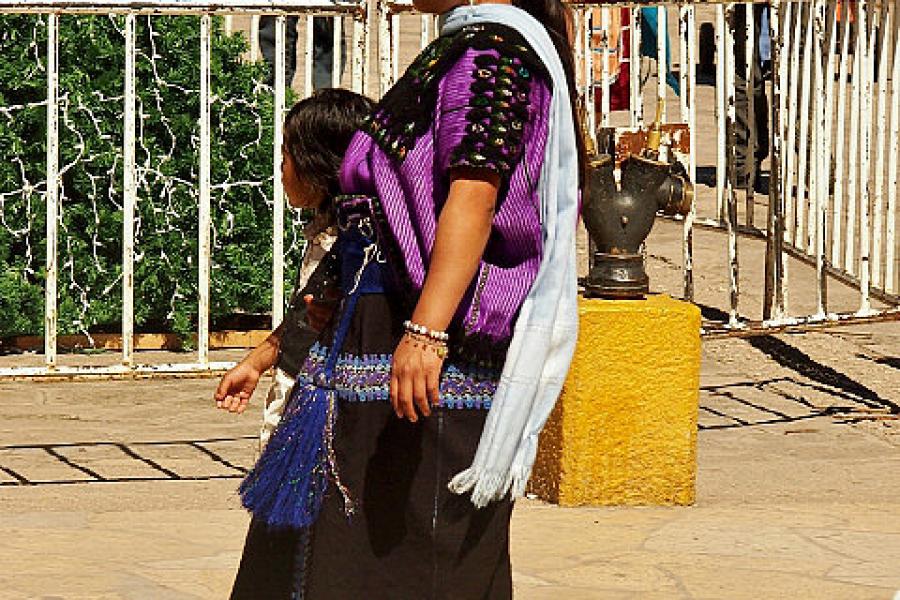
x=300 y=193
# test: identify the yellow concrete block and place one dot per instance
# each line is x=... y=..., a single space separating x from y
x=625 y=428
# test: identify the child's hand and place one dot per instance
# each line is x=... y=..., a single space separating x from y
x=319 y=313
x=236 y=387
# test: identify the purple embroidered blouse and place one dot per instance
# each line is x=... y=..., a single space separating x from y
x=490 y=109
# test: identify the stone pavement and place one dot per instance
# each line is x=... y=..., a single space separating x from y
x=131 y=487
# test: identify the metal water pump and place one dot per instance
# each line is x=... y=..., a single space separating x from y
x=619 y=216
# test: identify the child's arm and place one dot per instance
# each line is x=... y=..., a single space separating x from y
x=238 y=384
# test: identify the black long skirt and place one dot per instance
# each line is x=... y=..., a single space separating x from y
x=408 y=538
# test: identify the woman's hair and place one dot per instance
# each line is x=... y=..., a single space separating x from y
x=317 y=132
x=555 y=17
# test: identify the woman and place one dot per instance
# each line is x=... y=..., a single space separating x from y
x=457 y=238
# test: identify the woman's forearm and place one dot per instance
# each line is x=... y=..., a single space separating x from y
x=462 y=235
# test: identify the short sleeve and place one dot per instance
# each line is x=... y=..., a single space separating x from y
x=484 y=111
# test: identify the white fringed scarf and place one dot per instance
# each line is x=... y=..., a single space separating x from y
x=543 y=341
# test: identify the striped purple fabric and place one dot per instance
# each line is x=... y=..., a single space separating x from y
x=413 y=191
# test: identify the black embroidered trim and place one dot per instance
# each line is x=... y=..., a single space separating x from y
x=406 y=110
x=477 y=348
x=499 y=105
x=498 y=113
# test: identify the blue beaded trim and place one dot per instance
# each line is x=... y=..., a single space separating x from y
x=367 y=378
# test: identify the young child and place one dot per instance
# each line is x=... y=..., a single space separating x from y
x=317 y=131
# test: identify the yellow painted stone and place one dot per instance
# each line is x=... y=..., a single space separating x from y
x=625 y=428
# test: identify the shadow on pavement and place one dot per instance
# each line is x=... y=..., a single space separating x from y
x=129 y=451
x=789 y=356
x=814 y=377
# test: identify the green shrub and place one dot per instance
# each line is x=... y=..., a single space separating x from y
x=90 y=234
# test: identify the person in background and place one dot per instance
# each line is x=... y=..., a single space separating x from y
x=323 y=48
x=750 y=154
x=618 y=54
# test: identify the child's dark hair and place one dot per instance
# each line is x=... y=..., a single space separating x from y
x=317 y=131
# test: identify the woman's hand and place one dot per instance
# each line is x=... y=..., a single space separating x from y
x=415 y=378
x=462 y=234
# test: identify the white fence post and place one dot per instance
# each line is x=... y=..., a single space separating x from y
x=385 y=67
x=773 y=302
x=878 y=223
x=204 y=245
x=826 y=123
x=129 y=188
x=721 y=137
x=254 y=38
x=634 y=67
x=689 y=107
x=853 y=155
x=894 y=157
x=749 y=84
x=867 y=28
x=308 y=58
x=53 y=211
x=359 y=76
x=662 y=65
x=337 y=47
x=277 y=188
x=731 y=222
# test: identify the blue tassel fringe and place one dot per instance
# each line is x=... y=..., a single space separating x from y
x=287 y=485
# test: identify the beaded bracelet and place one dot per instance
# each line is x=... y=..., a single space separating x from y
x=438 y=336
x=425 y=342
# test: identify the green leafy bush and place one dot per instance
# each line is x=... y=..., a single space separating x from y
x=90 y=235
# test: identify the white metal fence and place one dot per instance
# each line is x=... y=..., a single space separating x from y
x=355 y=11
x=833 y=184
x=833 y=188
x=838 y=180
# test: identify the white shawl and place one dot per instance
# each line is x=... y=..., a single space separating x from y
x=543 y=341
